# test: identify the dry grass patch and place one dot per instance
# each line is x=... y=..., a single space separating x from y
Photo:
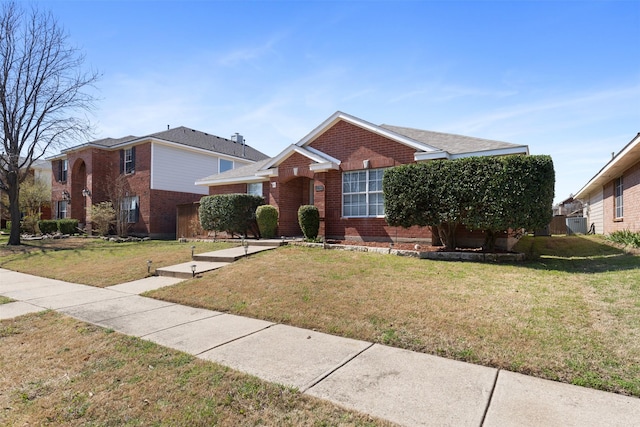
x=572 y=314
x=97 y=262
x=58 y=371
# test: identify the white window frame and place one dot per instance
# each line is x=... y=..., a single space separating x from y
x=349 y=191
x=255 y=189
x=130 y=208
x=64 y=166
x=129 y=167
x=231 y=162
x=62 y=213
x=618 y=198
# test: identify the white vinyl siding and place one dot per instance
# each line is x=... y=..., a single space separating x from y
x=595 y=214
x=177 y=170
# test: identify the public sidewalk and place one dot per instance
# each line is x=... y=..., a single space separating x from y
x=408 y=388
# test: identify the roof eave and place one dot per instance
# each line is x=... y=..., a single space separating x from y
x=613 y=168
x=235 y=180
x=339 y=115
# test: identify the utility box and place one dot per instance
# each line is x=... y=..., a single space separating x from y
x=577 y=225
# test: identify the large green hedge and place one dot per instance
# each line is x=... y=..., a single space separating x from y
x=232 y=213
x=492 y=194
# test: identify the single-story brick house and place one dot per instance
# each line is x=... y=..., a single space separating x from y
x=611 y=199
x=154 y=173
x=338 y=167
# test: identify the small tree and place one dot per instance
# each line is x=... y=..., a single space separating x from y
x=34 y=194
x=103 y=216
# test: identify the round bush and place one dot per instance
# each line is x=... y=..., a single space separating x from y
x=267 y=217
x=309 y=220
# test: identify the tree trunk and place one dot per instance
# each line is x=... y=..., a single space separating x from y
x=14 y=209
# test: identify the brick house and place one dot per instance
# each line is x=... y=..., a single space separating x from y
x=149 y=175
x=338 y=167
x=611 y=199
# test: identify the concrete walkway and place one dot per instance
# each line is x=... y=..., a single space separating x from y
x=408 y=388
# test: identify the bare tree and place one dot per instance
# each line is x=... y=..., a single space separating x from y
x=43 y=96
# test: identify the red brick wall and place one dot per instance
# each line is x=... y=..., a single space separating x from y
x=160 y=213
x=352 y=145
x=631 y=202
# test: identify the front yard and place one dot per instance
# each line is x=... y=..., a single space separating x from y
x=571 y=313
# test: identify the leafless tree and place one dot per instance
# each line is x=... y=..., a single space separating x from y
x=44 y=96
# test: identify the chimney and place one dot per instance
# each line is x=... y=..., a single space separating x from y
x=239 y=139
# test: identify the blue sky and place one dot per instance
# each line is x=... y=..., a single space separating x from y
x=561 y=77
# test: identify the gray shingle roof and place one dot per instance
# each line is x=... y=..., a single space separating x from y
x=241 y=172
x=451 y=143
x=192 y=138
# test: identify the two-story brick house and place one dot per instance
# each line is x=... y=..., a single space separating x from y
x=338 y=167
x=149 y=175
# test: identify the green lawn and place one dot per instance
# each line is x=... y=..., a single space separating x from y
x=571 y=313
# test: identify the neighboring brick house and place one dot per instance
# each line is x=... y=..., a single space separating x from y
x=150 y=175
x=611 y=199
x=338 y=167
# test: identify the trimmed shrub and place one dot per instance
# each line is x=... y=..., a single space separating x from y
x=267 y=218
x=68 y=226
x=48 y=226
x=309 y=220
x=232 y=213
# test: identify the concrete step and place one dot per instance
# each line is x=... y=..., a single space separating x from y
x=184 y=270
x=231 y=254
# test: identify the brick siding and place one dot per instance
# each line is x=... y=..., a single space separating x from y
x=631 y=202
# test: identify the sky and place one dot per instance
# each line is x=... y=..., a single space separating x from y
x=562 y=77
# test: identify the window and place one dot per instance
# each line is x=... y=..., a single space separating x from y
x=618 y=202
x=362 y=193
x=128 y=160
x=130 y=209
x=225 y=165
x=61 y=209
x=63 y=167
x=255 y=189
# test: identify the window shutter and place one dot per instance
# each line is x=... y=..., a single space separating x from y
x=58 y=170
x=121 y=161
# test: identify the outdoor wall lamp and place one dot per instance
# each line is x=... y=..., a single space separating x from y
x=86 y=192
x=193 y=248
x=193 y=270
x=149 y=266
x=66 y=195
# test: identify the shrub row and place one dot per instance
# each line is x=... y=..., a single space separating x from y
x=64 y=226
